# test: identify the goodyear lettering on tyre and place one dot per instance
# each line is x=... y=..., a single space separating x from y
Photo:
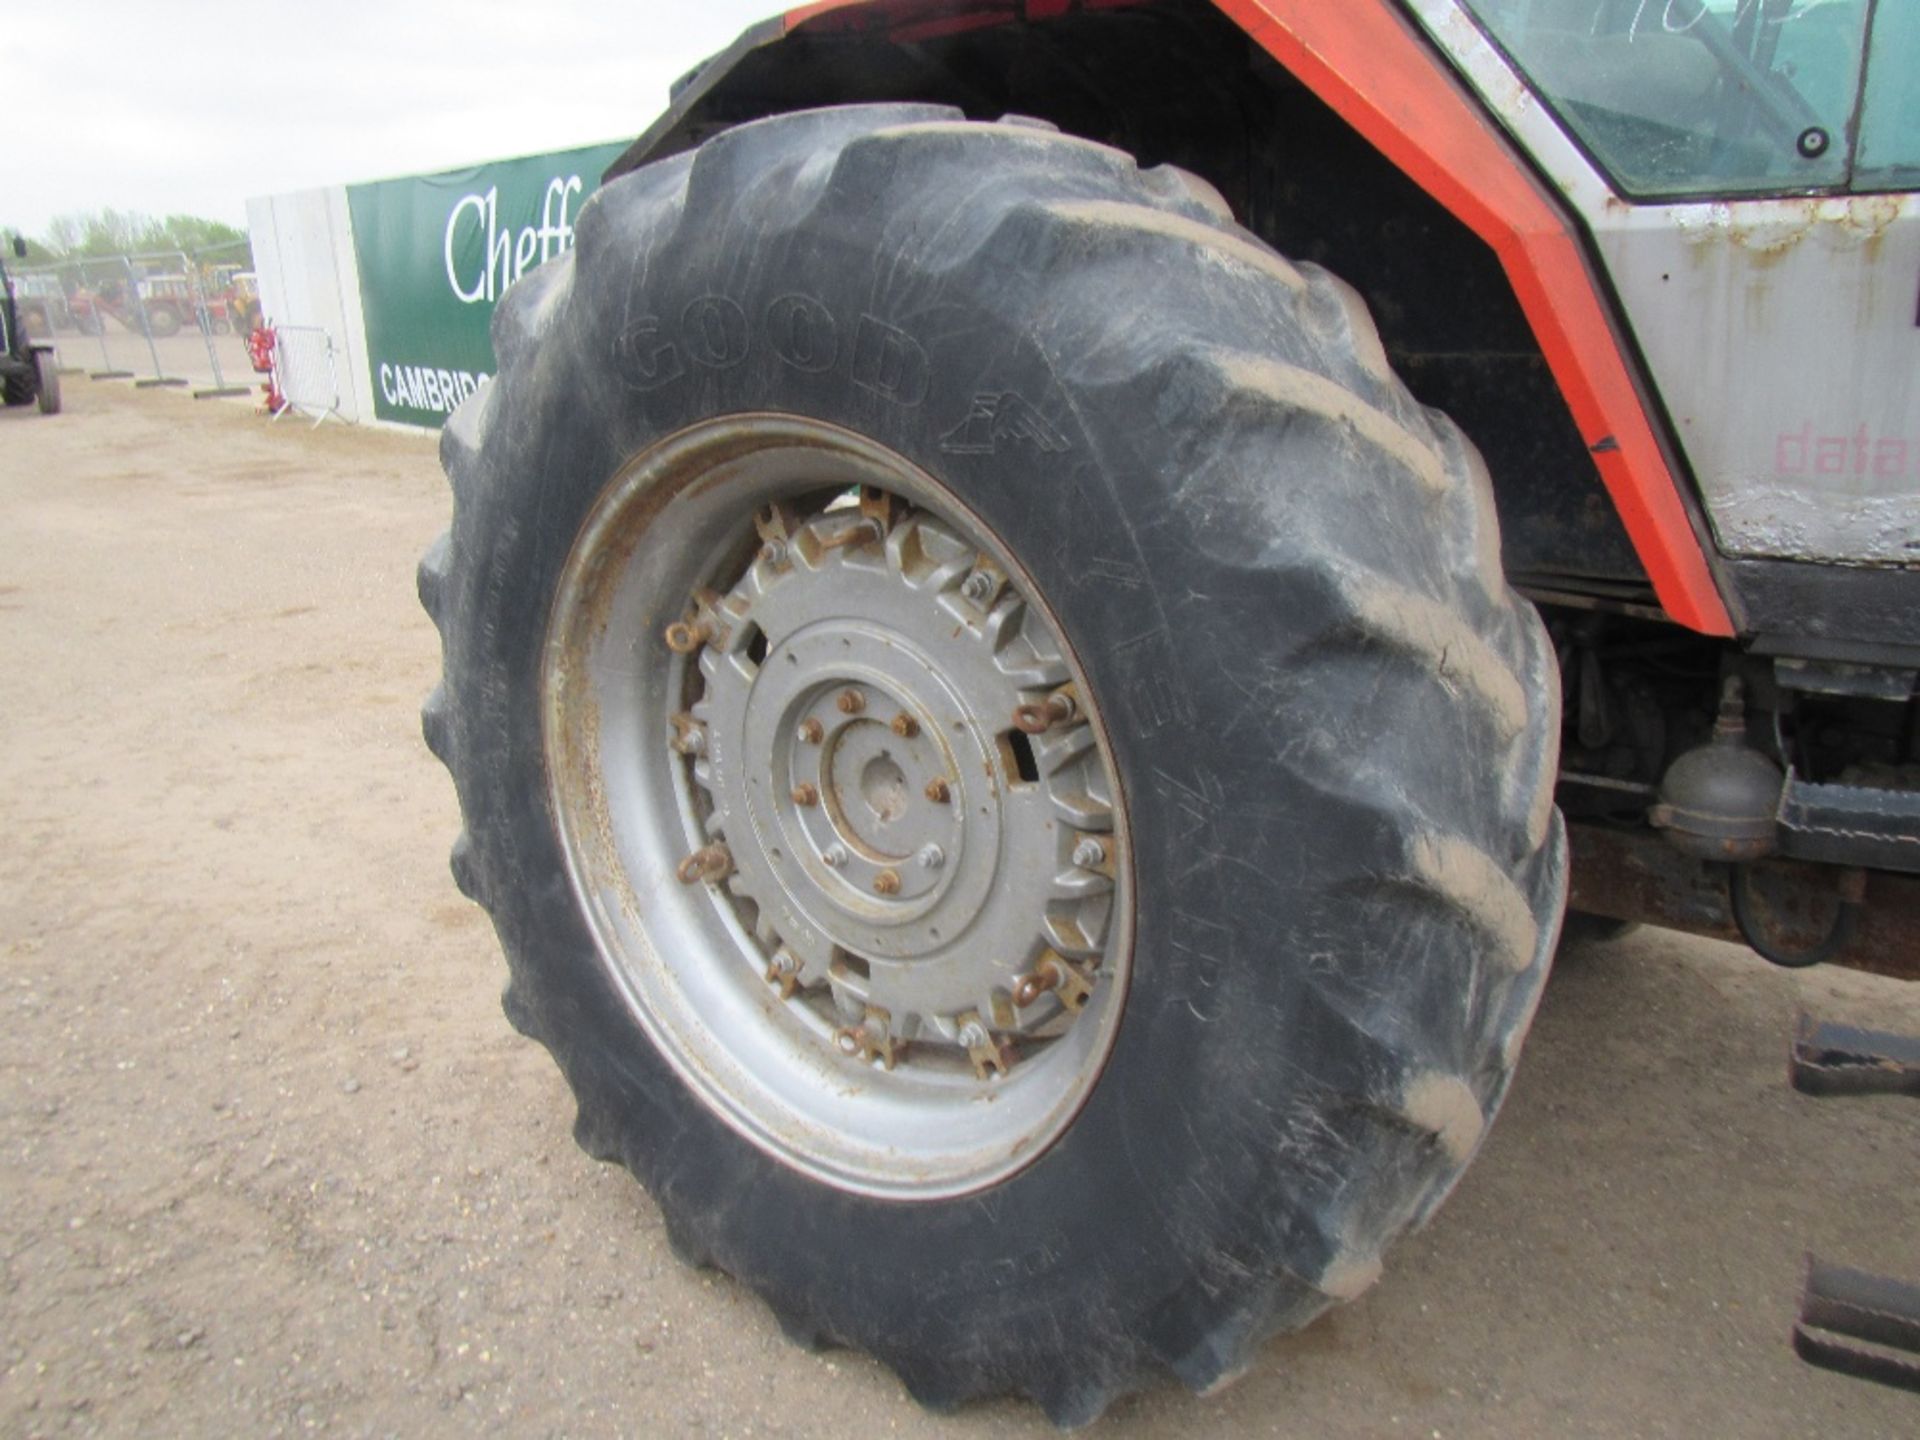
x=713 y=333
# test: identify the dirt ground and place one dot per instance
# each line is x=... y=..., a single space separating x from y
x=274 y=1163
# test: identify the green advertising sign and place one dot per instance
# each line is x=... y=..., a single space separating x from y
x=435 y=253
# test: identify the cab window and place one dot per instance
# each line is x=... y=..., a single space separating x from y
x=1890 y=118
x=1701 y=97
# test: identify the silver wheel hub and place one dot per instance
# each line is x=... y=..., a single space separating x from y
x=863 y=776
x=862 y=748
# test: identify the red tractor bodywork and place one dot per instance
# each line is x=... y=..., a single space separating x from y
x=1371 y=67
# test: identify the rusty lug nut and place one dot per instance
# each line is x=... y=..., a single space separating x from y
x=805 y=795
x=989 y=1056
x=860 y=532
x=938 y=791
x=711 y=864
x=1089 y=854
x=1056 y=709
x=887 y=882
x=1053 y=974
x=905 y=726
x=812 y=731
x=851 y=702
x=683 y=638
x=872 y=1040
x=1029 y=988
x=784 y=971
x=689 y=735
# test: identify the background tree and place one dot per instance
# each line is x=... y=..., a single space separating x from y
x=108 y=231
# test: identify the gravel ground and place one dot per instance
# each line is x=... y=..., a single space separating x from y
x=274 y=1162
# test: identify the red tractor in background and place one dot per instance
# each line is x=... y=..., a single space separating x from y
x=1049 y=610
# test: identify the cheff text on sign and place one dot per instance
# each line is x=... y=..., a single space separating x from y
x=506 y=255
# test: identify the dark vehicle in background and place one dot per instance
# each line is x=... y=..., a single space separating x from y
x=28 y=371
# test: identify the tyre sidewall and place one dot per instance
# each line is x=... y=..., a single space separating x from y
x=1157 y=1190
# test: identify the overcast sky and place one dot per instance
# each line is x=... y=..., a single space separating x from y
x=194 y=105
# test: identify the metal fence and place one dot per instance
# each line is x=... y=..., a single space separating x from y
x=175 y=318
x=307 y=368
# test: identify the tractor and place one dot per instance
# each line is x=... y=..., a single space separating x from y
x=172 y=303
x=234 y=299
x=29 y=371
x=1055 y=603
x=40 y=301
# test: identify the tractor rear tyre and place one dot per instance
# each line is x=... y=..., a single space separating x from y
x=936 y=614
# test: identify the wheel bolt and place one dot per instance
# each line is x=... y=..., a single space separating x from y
x=805 y=795
x=1057 y=709
x=683 y=638
x=835 y=856
x=938 y=791
x=712 y=864
x=783 y=971
x=812 y=731
x=887 y=882
x=905 y=726
x=849 y=1042
x=774 y=553
x=973 y=1035
x=1089 y=854
x=931 y=857
x=977 y=586
x=689 y=735
x=851 y=702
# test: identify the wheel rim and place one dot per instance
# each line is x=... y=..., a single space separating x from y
x=837 y=806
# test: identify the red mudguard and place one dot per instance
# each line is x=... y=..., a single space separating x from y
x=1365 y=60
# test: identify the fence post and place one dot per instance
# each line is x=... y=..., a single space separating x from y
x=108 y=370
x=69 y=367
x=191 y=265
x=139 y=302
